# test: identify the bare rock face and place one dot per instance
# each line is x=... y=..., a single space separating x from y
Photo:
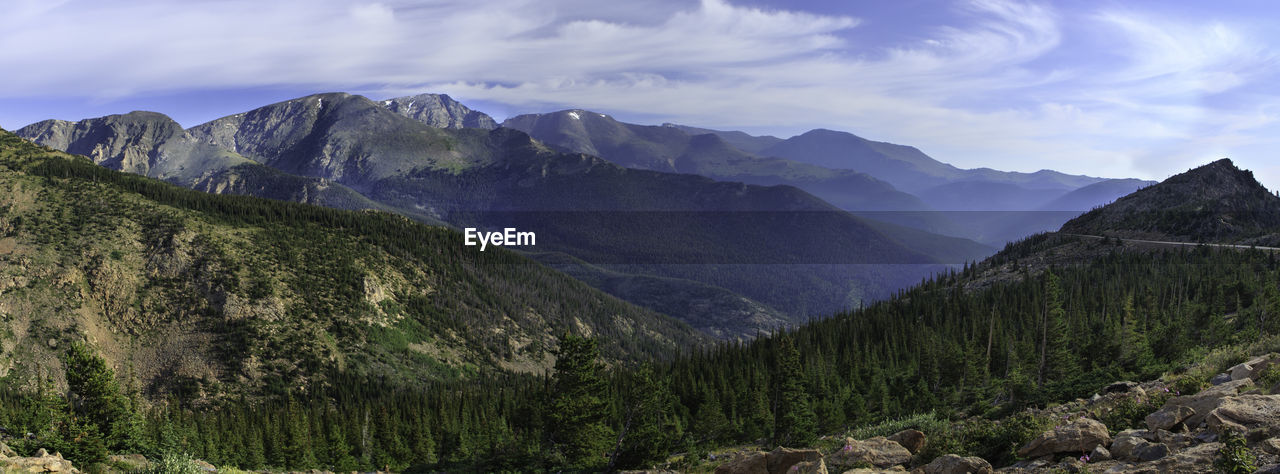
x=913 y=440
x=953 y=464
x=1081 y=436
x=879 y=452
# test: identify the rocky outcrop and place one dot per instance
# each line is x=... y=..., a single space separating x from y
x=913 y=440
x=41 y=462
x=1080 y=436
x=778 y=461
x=879 y=452
x=953 y=464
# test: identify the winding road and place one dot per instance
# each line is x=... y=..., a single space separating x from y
x=1181 y=244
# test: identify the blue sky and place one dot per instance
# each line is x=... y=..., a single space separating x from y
x=1106 y=88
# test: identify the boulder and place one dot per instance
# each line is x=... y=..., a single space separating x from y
x=6 y=451
x=204 y=466
x=751 y=463
x=913 y=440
x=1126 y=444
x=1253 y=367
x=1150 y=452
x=1245 y=413
x=878 y=451
x=1207 y=400
x=780 y=460
x=1174 y=441
x=1080 y=436
x=809 y=467
x=953 y=464
x=1198 y=458
x=1220 y=379
x=1120 y=387
x=1099 y=454
x=1270 y=446
x=1169 y=418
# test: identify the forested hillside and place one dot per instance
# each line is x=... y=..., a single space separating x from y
x=1021 y=329
x=205 y=295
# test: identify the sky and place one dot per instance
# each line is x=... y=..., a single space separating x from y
x=1141 y=89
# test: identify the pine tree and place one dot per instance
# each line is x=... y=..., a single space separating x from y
x=794 y=423
x=648 y=433
x=1061 y=362
x=579 y=410
x=96 y=399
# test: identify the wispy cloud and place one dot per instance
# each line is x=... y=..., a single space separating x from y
x=1016 y=84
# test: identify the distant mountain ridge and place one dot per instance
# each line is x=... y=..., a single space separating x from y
x=675 y=149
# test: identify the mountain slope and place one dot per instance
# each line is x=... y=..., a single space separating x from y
x=1216 y=202
x=1096 y=194
x=675 y=149
x=226 y=294
x=154 y=145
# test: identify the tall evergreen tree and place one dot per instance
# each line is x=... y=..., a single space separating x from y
x=579 y=409
x=794 y=421
x=96 y=399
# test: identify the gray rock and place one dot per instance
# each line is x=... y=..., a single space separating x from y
x=913 y=440
x=878 y=451
x=1245 y=413
x=1220 y=379
x=1099 y=454
x=1119 y=387
x=1151 y=452
x=781 y=460
x=1081 y=436
x=1169 y=417
x=953 y=464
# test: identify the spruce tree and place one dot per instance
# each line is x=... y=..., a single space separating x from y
x=794 y=422
x=579 y=410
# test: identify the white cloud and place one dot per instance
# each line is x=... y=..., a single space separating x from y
x=1007 y=83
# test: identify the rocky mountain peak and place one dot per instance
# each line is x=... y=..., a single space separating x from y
x=439 y=111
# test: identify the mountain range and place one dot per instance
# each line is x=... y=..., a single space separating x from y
x=350 y=152
x=877 y=180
